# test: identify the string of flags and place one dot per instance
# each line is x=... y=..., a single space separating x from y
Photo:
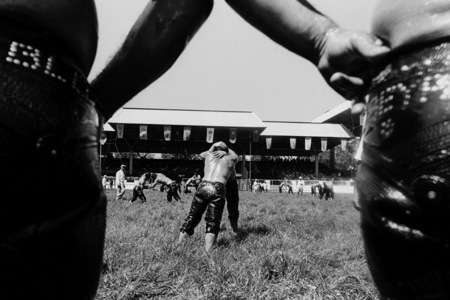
x=187 y=130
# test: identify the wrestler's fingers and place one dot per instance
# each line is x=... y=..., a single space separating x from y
x=349 y=87
x=357 y=107
x=369 y=46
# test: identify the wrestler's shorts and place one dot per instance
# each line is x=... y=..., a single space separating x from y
x=172 y=191
x=138 y=191
x=49 y=244
x=403 y=181
x=210 y=196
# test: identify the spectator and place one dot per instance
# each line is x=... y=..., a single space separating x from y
x=120 y=183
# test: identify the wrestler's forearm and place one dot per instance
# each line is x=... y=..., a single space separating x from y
x=152 y=46
x=294 y=24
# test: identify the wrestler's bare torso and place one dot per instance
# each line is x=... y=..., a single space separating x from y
x=219 y=169
x=401 y=22
x=73 y=22
x=161 y=178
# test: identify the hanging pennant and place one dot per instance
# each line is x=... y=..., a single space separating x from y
x=120 y=128
x=293 y=142
x=344 y=145
x=255 y=135
x=308 y=143
x=209 y=135
x=187 y=133
x=143 y=132
x=103 y=139
x=268 y=142
x=323 y=144
x=233 y=135
x=167 y=132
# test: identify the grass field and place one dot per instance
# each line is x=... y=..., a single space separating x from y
x=290 y=247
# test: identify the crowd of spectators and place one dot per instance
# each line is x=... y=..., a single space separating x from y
x=280 y=168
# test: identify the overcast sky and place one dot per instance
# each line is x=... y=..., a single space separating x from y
x=229 y=65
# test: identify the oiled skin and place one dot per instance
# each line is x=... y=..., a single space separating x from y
x=400 y=22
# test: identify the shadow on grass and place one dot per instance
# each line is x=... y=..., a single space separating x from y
x=244 y=233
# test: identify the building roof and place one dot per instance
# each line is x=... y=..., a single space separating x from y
x=108 y=128
x=290 y=129
x=341 y=114
x=150 y=116
x=339 y=109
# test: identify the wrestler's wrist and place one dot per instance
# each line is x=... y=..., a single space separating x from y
x=326 y=34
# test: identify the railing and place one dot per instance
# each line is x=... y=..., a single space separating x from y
x=339 y=186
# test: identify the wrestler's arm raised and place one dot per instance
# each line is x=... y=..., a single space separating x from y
x=154 y=43
x=213 y=148
x=157 y=181
x=342 y=56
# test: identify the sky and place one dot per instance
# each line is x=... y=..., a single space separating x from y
x=231 y=66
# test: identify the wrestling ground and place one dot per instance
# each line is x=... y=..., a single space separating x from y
x=289 y=247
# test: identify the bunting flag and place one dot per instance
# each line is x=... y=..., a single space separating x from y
x=255 y=135
x=120 y=128
x=268 y=142
x=344 y=145
x=103 y=139
x=308 y=143
x=167 y=132
x=209 y=135
x=293 y=142
x=323 y=144
x=233 y=135
x=187 y=133
x=143 y=132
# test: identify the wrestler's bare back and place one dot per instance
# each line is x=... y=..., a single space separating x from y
x=163 y=179
x=73 y=22
x=400 y=22
x=219 y=169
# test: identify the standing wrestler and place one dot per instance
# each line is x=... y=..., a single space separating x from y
x=280 y=187
x=51 y=246
x=403 y=181
x=315 y=189
x=194 y=181
x=170 y=185
x=120 y=183
x=138 y=190
x=289 y=186
x=218 y=186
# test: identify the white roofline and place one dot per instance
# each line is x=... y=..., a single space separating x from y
x=333 y=112
x=213 y=118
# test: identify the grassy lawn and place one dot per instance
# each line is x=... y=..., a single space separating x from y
x=290 y=247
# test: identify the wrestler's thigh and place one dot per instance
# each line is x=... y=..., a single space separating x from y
x=214 y=210
x=403 y=181
x=48 y=137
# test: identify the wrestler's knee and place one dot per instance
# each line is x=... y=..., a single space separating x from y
x=212 y=227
